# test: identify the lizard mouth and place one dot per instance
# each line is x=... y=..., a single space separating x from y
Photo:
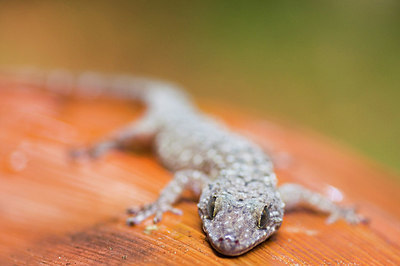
x=229 y=252
x=229 y=245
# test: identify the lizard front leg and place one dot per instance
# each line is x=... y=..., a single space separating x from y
x=193 y=179
x=294 y=195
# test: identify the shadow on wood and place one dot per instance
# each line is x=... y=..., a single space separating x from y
x=55 y=211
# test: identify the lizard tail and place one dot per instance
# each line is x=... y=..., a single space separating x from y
x=92 y=84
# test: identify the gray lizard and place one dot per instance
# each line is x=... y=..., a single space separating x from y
x=240 y=203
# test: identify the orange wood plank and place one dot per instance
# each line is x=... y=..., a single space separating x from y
x=56 y=211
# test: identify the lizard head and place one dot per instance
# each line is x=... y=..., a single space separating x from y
x=236 y=217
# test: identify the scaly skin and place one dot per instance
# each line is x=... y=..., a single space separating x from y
x=240 y=204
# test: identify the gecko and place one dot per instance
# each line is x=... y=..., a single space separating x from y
x=240 y=203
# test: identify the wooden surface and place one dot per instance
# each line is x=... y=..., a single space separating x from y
x=59 y=212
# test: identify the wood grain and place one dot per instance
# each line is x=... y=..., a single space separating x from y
x=59 y=212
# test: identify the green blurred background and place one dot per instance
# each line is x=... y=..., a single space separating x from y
x=327 y=64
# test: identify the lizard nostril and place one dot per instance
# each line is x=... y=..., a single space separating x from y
x=237 y=242
x=220 y=239
x=230 y=238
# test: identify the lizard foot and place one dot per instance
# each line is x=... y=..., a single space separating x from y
x=81 y=153
x=144 y=212
x=348 y=214
x=92 y=152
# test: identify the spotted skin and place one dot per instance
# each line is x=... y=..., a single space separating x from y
x=240 y=203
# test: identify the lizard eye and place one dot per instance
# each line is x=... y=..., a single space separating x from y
x=264 y=218
x=211 y=207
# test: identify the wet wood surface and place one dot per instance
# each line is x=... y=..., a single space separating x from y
x=56 y=211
